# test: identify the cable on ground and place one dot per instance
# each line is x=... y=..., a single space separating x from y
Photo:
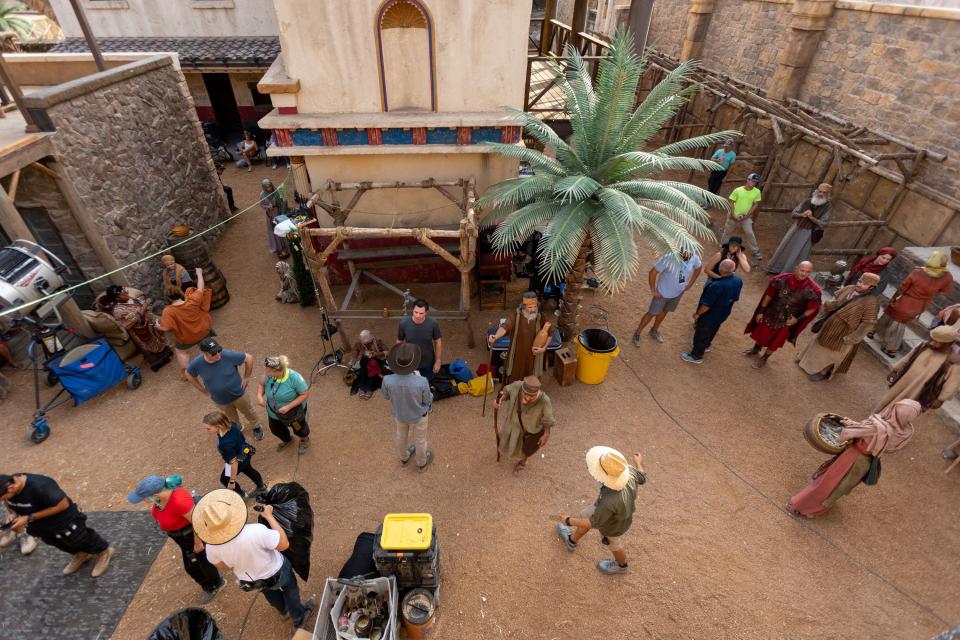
x=733 y=470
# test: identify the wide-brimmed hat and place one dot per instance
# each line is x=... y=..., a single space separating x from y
x=219 y=516
x=403 y=358
x=944 y=334
x=609 y=467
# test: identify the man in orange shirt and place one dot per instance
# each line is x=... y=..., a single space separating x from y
x=188 y=317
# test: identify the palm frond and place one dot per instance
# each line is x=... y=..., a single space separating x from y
x=536 y=159
x=617 y=80
x=615 y=258
x=637 y=163
x=520 y=224
x=698 y=142
x=573 y=188
x=517 y=191
x=699 y=195
x=563 y=238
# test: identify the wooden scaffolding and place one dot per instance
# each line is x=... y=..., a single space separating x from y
x=340 y=235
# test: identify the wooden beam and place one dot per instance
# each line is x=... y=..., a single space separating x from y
x=777 y=134
x=378 y=232
x=425 y=240
x=45 y=171
x=14 y=183
x=330 y=185
x=856 y=223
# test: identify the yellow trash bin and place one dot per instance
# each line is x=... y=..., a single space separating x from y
x=595 y=349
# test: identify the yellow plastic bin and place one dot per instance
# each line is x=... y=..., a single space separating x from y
x=595 y=349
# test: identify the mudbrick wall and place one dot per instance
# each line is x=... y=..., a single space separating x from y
x=129 y=141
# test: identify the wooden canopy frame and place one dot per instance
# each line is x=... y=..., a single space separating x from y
x=852 y=149
x=340 y=234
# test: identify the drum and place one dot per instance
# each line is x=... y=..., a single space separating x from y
x=822 y=431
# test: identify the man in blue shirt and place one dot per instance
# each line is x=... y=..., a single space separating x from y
x=411 y=399
x=222 y=382
x=714 y=308
x=725 y=157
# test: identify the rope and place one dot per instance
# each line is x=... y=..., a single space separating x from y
x=155 y=254
x=733 y=470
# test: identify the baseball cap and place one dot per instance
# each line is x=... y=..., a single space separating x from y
x=211 y=346
x=728 y=141
x=149 y=486
x=754 y=177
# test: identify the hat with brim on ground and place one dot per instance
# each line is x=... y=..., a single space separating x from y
x=219 y=516
x=609 y=467
x=944 y=334
x=403 y=358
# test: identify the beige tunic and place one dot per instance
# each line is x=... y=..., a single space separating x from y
x=536 y=417
x=911 y=383
x=841 y=334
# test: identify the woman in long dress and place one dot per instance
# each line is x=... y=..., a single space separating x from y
x=877 y=435
x=133 y=314
x=848 y=319
x=273 y=203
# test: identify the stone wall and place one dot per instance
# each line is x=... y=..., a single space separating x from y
x=667 y=26
x=37 y=190
x=898 y=74
x=129 y=141
x=745 y=37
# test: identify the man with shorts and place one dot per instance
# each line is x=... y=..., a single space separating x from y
x=188 y=318
x=612 y=513
x=669 y=279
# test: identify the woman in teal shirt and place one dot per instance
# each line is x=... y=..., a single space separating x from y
x=284 y=393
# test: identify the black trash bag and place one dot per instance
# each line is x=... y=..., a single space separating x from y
x=361 y=563
x=443 y=389
x=187 y=624
x=291 y=508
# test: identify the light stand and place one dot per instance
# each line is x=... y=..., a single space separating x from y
x=331 y=357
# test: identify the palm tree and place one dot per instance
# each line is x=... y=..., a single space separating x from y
x=9 y=22
x=603 y=192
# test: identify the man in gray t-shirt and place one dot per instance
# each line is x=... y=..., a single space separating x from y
x=424 y=332
x=215 y=373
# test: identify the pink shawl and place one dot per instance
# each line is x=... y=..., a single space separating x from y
x=887 y=431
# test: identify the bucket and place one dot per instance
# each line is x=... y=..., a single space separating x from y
x=418 y=614
x=595 y=349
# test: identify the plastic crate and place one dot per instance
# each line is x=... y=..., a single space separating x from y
x=331 y=603
x=410 y=568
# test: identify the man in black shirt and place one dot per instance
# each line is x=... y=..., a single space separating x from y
x=48 y=513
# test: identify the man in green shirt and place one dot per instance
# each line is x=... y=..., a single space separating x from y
x=612 y=513
x=744 y=202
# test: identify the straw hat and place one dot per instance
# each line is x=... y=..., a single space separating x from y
x=944 y=334
x=219 y=516
x=609 y=467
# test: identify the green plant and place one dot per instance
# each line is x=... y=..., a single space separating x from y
x=603 y=191
x=10 y=22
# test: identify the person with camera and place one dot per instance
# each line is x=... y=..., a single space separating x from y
x=235 y=451
x=172 y=508
x=42 y=508
x=251 y=551
x=284 y=393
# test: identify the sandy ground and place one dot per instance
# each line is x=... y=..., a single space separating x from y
x=712 y=551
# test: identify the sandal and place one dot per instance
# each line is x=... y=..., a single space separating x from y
x=759 y=364
x=519 y=468
x=891 y=354
x=283 y=444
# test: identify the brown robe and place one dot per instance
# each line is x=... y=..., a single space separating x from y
x=849 y=315
x=914 y=376
x=520 y=361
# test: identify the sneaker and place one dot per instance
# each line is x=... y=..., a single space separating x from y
x=635 y=341
x=78 y=560
x=28 y=544
x=7 y=539
x=284 y=444
x=686 y=357
x=427 y=463
x=656 y=335
x=610 y=567
x=207 y=596
x=249 y=168
x=308 y=608
x=565 y=532
x=103 y=562
x=259 y=491
x=410 y=452
x=304 y=445
x=257 y=432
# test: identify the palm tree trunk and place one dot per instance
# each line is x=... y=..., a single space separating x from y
x=570 y=304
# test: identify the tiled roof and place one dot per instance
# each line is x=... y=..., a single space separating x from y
x=235 y=51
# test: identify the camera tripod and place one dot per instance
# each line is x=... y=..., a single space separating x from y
x=332 y=356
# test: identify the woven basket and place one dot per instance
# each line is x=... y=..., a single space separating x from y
x=821 y=432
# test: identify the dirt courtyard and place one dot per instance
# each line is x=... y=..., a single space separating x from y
x=712 y=551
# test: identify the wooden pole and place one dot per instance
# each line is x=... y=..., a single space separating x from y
x=88 y=35
x=546 y=28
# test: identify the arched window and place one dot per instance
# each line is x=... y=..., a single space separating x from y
x=405 y=56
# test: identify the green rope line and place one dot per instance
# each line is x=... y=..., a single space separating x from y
x=161 y=252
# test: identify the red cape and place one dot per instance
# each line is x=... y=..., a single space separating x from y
x=793 y=332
